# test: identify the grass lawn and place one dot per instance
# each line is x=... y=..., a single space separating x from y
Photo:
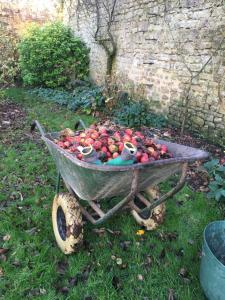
x=35 y=268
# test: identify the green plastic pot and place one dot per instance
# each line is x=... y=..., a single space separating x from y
x=212 y=270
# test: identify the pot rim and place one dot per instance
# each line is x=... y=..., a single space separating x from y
x=206 y=243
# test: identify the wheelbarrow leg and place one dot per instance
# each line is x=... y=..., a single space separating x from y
x=169 y=194
x=58 y=180
x=116 y=208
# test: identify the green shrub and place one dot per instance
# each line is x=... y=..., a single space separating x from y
x=50 y=56
x=217 y=184
x=137 y=114
x=9 y=68
x=84 y=98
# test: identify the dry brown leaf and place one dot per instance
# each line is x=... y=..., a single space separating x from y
x=3 y=250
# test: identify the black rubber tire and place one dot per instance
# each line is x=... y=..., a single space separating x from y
x=67 y=223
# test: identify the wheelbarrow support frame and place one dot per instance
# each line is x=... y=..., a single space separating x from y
x=129 y=199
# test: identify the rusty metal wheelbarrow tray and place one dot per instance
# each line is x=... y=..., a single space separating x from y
x=93 y=182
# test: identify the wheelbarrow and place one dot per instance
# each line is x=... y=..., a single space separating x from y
x=133 y=185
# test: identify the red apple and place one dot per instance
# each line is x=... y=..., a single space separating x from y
x=88 y=142
x=138 y=133
x=95 y=135
x=79 y=156
x=128 y=131
x=61 y=144
x=102 y=130
x=104 y=149
x=164 y=148
x=82 y=134
x=111 y=141
x=148 y=142
x=222 y=161
x=73 y=148
x=113 y=148
x=151 y=150
x=108 y=154
x=121 y=146
x=133 y=141
x=77 y=139
x=82 y=141
x=155 y=155
x=115 y=154
x=93 y=126
x=126 y=138
x=117 y=136
x=158 y=146
x=138 y=156
x=97 y=145
x=144 y=158
x=67 y=144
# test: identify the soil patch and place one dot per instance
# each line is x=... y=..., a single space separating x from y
x=11 y=117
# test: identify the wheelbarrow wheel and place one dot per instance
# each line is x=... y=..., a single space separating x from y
x=67 y=222
x=151 y=220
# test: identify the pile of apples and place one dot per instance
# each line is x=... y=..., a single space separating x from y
x=109 y=143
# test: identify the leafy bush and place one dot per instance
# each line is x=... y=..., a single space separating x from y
x=50 y=56
x=84 y=98
x=217 y=184
x=137 y=114
x=9 y=67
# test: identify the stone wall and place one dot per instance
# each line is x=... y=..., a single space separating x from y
x=17 y=14
x=169 y=52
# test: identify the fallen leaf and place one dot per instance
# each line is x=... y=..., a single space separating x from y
x=33 y=292
x=167 y=134
x=183 y=273
x=119 y=261
x=85 y=273
x=167 y=236
x=32 y=231
x=1 y=272
x=124 y=245
x=116 y=283
x=191 y=242
x=43 y=291
x=140 y=277
x=123 y=266
x=171 y=295
x=162 y=254
x=16 y=263
x=151 y=246
x=73 y=281
x=99 y=231
x=3 y=250
x=179 y=202
x=140 y=232
x=148 y=262
x=3 y=257
x=64 y=290
x=180 y=252
x=6 y=237
x=62 y=267
x=115 y=232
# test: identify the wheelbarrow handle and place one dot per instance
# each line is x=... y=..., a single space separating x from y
x=80 y=123
x=38 y=125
